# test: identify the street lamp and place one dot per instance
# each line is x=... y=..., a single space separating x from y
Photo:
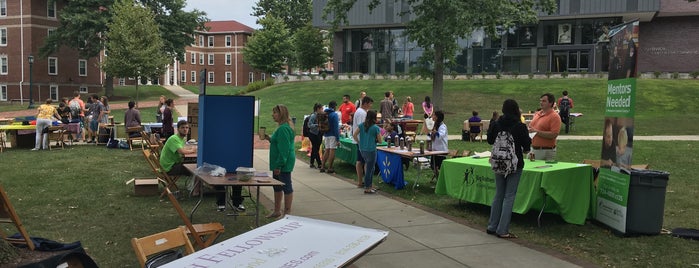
x=31 y=82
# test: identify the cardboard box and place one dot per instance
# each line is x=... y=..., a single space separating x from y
x=145 y=186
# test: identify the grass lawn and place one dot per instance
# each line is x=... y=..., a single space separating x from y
x=79 y=193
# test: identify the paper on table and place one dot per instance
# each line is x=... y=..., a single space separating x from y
x=485 y=154
x=532 y=134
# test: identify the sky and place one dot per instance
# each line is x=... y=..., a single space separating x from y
x=238 y=10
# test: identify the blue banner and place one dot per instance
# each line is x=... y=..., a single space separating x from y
x=391 y=169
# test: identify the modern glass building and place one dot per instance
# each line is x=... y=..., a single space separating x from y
x=574 y=39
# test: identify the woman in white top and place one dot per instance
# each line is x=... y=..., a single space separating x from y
x=440 y=141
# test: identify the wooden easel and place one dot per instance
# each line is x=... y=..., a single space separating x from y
x=8 y=215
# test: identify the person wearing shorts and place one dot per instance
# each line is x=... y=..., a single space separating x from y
x=331 y=138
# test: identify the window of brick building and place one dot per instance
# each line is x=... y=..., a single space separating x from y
x=228 y=58
x=53 y=65
x=211 y=77
x=3 y=36
x=229 y=77
x=211 y=59
x=53 y=92
x=51 y=9
x=194 y=76
x=3 y=64
x=3 y=92
x=211 y=41
x=82 y=67
x=183 y=76
x=228 y=41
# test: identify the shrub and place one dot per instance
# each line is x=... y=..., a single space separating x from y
x=372 y=76
x=255 y=86
x=313 y=77
x=657 y=74
x=453 y=75
x=498 y=75
x=361 y=76
x=564 y=74
x=323 y=75
x=386 y=76
x=399 y=75
x=469 y=76
x=412 y=76
x=349 y=76
x=583 y=72
x=531 y=75
x=286 y=78
x=336 y=76
x=548 y=74
x=675 y=75
x=694 y=74
x=483 y=74
x=515 y=74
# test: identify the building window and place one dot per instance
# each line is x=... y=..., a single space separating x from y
x=53 y=92
x=183 y=76
x=122 y=81
x=193 y=57
x=228 y=58
x=211 y=77
x=194 y=76
x=51 y=10
x=228 y=41
x=83 y=89
x=3 y=92
x=229 y=76
x=3 y=36
x=201 y=40
x=251 y=77
x=82 y=67
x=184 y=57
x=3 y=8
x=211 y=41
x=263 y=76
x=201 y=58
x=50 y=31
x=53 y=65
x=3 y=64
x=211 y=59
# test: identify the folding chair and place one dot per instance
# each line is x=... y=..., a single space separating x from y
x=9 y=215
x=204 y=234
x=169 y=182
x=156 y=243
x=57 y=135
x=129 y=139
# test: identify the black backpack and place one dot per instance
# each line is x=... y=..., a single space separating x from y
x=323 y=123
x=306 y=129
x=564 y=108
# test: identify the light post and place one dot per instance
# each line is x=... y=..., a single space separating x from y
x=31 y=82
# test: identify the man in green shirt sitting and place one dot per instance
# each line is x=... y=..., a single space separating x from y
x=174 y=150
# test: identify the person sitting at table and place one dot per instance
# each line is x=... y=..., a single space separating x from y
x=64 y=111
x=132 y=118
x=44 y=117
x=440 y=141
x=506 y=186
x=174 y=150
x=474 y=119
x=388 y=132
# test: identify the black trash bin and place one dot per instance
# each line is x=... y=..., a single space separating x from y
x=646 y=204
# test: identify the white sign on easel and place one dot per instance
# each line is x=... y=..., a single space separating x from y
x=289 y=242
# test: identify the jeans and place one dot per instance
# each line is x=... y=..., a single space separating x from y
x=315 y=148
x=41 y=137
x=501 y=209
x=369 y=163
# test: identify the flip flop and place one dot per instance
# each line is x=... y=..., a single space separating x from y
x=370 y=191
x=507 y=236
x=274 y=215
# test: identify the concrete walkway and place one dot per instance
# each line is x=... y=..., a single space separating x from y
x=417 y=238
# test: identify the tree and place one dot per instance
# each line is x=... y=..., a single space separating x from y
x=134 y=43
x=438 y=24
x=308 y=48
x=268 y=49
x=84 y=22
x=295 y=14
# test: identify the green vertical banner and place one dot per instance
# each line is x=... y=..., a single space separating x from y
x=612 y=184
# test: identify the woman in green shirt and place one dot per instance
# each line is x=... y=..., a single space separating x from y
x=281 y=160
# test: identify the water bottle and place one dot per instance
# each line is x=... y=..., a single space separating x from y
x=395 y=141
x=388 y=142
x=429 y=143
x=409 y=143
x=422 y=147
x=402 y=143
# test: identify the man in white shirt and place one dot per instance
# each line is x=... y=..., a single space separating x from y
x=359 y=118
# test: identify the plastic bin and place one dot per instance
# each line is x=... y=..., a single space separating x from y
x=646 y=204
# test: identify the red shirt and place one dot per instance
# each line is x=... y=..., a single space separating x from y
x=347 y=109
x=549 y=121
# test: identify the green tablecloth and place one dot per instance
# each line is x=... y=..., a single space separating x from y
x=568 y=186
x=347 y=151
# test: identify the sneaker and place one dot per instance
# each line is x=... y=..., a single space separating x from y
x=35 y=149
x=221 y=208
x=240 y=207
x=322 y=170
x=312 y=166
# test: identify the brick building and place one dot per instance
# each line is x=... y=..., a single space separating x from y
x=24 y=25
x=218 y=50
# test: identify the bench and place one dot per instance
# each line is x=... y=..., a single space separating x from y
x=12 y=101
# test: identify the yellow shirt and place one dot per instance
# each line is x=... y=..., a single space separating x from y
x=46 y=111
